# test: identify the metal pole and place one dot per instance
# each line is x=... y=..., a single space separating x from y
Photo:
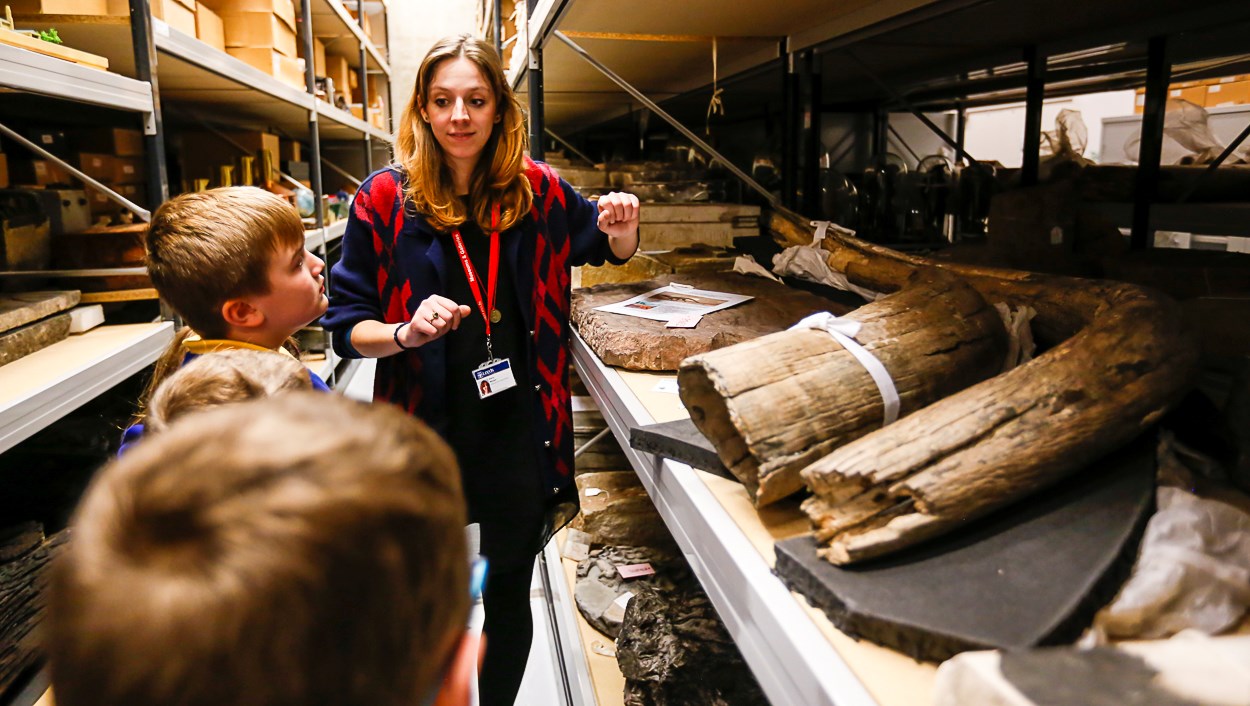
x=961 y=128
x=1206 y=174
x=790 y=133
x=314 y=138
x=811 y=134
x=498 y=25
x=638 y=95
x=1158 y=75
x=569 y=147
x=364 y=87
x=880 y=139
x=157 y=180
x=1035 y=93
x=536 y=102
x=960 y=152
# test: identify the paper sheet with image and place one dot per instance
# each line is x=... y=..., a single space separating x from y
x=674 y=300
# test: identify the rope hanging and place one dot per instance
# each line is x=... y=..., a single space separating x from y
x=714 y=106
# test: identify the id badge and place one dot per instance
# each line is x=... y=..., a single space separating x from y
x=493 y=377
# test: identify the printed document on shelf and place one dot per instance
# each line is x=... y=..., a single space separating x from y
x=674 y=300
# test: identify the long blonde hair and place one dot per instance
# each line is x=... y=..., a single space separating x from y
x=497 y=179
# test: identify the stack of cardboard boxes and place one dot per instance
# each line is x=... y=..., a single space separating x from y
x=261 y=33
x=1209 y=93
x=112 y=156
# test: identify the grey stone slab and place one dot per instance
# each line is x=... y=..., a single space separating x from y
x=1032 y=574
x=23 y=341
x=681 y=441
x=21 y=308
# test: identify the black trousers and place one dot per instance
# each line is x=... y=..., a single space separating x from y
x=509 y=631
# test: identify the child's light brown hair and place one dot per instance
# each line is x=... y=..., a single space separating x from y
x=221 y=377
x=206 y=248
x=301 y=549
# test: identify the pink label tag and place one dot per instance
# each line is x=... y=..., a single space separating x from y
x=684 y=321
x=633 y=571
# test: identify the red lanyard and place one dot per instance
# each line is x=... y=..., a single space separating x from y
x=492 y=275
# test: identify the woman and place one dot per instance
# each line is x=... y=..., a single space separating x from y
x=455 y=273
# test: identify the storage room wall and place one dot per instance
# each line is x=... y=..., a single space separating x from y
x=414 y=27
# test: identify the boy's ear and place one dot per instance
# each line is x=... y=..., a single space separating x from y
x=462 y=672
x=239 y=313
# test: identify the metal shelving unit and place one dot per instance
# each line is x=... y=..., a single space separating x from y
x=29 y=72
x=789 y=656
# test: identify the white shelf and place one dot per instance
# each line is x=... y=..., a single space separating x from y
x=334 y=231
x=331 y=19
x=48 y=76
x=793 y=660
x=39 y=389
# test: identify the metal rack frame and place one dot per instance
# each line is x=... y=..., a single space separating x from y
x=793 y=662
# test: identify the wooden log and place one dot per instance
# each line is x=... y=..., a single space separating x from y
x=773 y=405
x=23 y=580
x=617 y=510
x=1119 y=356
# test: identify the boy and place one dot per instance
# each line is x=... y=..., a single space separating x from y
x=219 y=378
x=232 y=263
x=297 y=550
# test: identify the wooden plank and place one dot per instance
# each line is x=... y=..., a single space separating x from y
x=120 y=295
x=57 y=51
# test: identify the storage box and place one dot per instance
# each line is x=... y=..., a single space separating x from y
x=1194 y=94
x=39 y=172
x=4 y=171
x=338 y=70
x=366 y=24
x=210 y=28
x=1231 y=93
x=102 y=167
x=281 y=67
x=319 y=56
x=67 y=210
x=114 y=246
x=203 y=152
x=102 y=205
x=117 y=141
x=175 y=14
x=54 y=141
x=284 y=9
x=291 y=151
x=128 y=170
x=259 y=30
x=58 y=7
x=25 y=242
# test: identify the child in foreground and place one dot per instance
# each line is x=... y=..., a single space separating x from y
x=302 y=549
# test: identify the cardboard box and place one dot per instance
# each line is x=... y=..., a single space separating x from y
x=358 y=110
x=101 y=167
x=38 y=172
x=319 y=56
x=128 y=170
x=291 y=151
x=1194 y=94
x=117 y=141
x=1231 y=93
x=365 y=25
x=58 y=7
x=203 y=152
x=284 y=9
x=54 y=141
x=4 y=171
x=338 y=70
x=210 y=28
x=119 y=8
x=175 y=14
x=102 y=205
x=189 y=4
x=284 y=68
x=259 y=30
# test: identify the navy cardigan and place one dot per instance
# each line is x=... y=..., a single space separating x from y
x=392 y=260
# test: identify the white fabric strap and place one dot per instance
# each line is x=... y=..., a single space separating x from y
x=821 y=227
x=844 y=332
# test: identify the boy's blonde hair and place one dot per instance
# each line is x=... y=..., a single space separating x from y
x=206 y=248
x=225 y=376
x=301 y=549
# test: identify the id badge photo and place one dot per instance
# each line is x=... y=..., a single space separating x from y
x=493 y=377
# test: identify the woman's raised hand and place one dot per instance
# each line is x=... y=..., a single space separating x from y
x=618 y=214
x=433 y=318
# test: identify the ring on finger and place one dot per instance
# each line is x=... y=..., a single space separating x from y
x=434 y=317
